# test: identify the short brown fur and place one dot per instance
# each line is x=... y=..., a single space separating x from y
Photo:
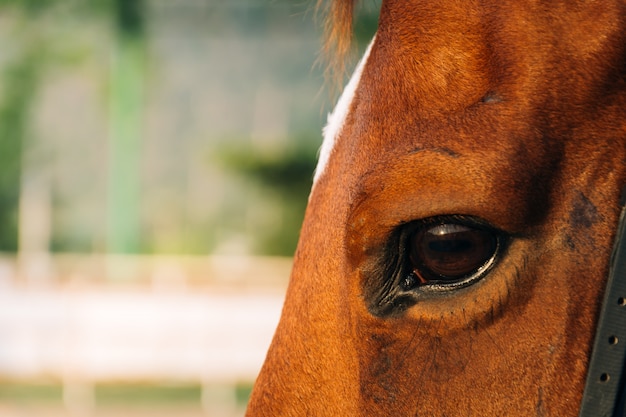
x=511 y=112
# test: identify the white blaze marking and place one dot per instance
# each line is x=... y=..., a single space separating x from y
x=337 y=118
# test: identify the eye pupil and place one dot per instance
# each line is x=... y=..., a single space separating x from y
x=451 y=252
x=449 y=245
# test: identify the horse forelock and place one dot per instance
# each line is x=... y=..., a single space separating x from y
x=338 y=26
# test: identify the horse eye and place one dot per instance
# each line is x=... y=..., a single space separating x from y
x=451 y=253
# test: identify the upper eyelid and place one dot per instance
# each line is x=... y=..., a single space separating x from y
x=407 y=187
x=461 y=219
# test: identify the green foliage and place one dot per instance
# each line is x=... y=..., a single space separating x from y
x=116 y=395
x=28 y=6
x=41 y=42
x=129 y=17
x=33 y=8
x=46 y=35
x=287 y=176
x=30 y=393
x=20 y=84
x=289 y=170
x=366 y=23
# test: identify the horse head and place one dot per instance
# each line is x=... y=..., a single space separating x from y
x=456 y=245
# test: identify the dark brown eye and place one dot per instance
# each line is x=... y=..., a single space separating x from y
x=448 y=253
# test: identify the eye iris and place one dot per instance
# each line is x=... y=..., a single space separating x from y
x=450 y=252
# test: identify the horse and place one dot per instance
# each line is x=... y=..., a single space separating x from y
x=456 y=245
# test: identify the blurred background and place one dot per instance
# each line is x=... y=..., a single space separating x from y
x=155 y=161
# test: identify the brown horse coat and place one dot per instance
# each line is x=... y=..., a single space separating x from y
x=507 y=114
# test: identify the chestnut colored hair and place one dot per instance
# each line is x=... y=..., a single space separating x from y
x=338 y=18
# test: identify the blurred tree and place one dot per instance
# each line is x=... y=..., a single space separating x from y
x=39 y=33
x=37 y=43
x=19 y=82
x=130 y=17
x=366 y=22
x=126 y=104
x=288 y=174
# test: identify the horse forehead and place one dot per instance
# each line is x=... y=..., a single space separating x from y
x=428 y=62
x=407 y=78
x=431 y=60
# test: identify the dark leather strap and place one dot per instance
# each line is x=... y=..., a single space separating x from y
x=605 y=389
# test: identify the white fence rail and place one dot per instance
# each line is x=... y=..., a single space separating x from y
x=134 y=336
x=176 y=320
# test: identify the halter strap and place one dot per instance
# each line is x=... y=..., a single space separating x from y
x=605 y=389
